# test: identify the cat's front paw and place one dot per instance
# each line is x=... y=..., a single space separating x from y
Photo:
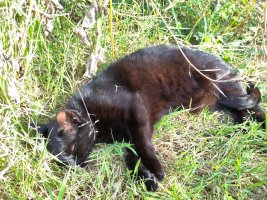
x=151 y=182
x=149 y=178
x=160 y=175
x=154 y=166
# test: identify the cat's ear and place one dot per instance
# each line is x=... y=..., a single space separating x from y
x=41 y=128
x=68 y=119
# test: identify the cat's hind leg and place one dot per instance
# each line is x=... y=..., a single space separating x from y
x=243 y=104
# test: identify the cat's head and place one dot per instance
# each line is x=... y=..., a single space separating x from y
x=70 y=137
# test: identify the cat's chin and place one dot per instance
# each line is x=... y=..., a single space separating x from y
x=67 y=161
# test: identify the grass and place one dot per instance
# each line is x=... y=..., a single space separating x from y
x=203 y=158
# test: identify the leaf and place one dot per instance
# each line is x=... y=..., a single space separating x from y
x=49 y=25
x=81 y=32
x=13 y=91
x=63 y=186
x=96 y=60
x=89 y=19
x=56 y=4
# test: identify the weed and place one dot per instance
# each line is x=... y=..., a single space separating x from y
x=204 y=156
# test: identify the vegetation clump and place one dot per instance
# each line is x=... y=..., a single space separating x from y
x=43 y=59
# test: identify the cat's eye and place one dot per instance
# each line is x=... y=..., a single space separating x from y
x=60 y=131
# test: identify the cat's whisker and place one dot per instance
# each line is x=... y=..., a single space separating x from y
x=209 y=70
x=83 y=124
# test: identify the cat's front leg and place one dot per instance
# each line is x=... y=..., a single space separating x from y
x=142 y=172
x=149 y=159
x=140 y=132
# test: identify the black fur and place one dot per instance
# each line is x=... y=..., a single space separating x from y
x=124 y=102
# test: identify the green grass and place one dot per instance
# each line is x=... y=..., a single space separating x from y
x=204 y=156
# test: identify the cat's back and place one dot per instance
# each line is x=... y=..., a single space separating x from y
x=167 y=60
x=167 y=54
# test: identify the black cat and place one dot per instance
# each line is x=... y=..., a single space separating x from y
x=124 y=102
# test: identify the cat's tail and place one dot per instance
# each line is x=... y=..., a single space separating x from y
x=248 y=101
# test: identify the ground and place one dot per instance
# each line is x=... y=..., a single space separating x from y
x=43 y=55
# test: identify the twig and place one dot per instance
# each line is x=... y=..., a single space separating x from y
x=90 y=120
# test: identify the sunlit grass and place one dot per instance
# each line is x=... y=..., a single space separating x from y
x=204 y=156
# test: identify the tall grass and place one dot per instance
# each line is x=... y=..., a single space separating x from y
x=203 y=158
